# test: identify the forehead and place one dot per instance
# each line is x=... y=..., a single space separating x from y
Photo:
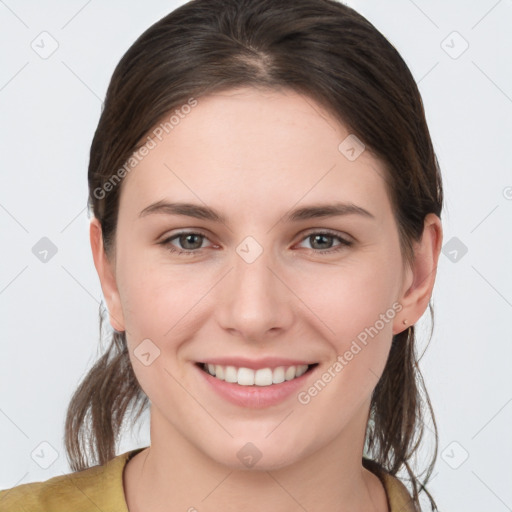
x=254 y=150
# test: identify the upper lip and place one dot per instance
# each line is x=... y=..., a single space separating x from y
x=256 y=364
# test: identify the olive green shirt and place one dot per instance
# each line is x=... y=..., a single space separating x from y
x=100 y=488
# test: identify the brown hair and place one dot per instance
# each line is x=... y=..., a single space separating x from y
x=332 y=54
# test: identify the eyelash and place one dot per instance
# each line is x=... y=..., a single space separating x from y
x=191 y=252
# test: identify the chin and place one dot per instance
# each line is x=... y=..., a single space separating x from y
x=260 y=454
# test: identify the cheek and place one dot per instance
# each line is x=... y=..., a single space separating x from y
x=353 y=307
x=158 y=311
x=358 y=310
x=161 y=301
x=152 y=305
x=350 y=298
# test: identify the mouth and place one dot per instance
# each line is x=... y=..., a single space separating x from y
x=262 y=377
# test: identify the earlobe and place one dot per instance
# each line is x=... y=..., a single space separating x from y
x=421 y=276
x=106 y=274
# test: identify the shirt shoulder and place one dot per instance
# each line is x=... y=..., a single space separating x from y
x=398 y=496
x=93 y=489
x=399 y=499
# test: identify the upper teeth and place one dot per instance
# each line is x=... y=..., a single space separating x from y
x=261 y=377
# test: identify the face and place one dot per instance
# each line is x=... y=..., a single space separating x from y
x=262 y=282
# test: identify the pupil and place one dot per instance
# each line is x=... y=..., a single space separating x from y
x=316 y=237
x=186 y=237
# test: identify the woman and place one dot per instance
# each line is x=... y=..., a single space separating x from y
x=266 y=232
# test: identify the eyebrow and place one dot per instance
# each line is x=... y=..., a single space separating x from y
x=315 y=211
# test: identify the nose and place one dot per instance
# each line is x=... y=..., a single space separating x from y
x=257 y=302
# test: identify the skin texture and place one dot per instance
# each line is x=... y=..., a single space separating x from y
x=254 y=155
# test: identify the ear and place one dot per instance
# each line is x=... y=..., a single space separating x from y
x=106 y=274
x=419 y=282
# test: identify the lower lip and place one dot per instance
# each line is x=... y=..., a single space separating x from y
x=256 y=397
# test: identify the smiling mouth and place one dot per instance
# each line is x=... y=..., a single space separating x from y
x=261 y=377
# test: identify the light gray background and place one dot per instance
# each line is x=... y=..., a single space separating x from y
x=49 y=332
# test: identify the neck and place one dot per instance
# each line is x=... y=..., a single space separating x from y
x=174 y=475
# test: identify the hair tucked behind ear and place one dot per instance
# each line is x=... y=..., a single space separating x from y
x=331 y=54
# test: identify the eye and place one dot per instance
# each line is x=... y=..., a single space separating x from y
x=191 y=241
x=322 y=238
